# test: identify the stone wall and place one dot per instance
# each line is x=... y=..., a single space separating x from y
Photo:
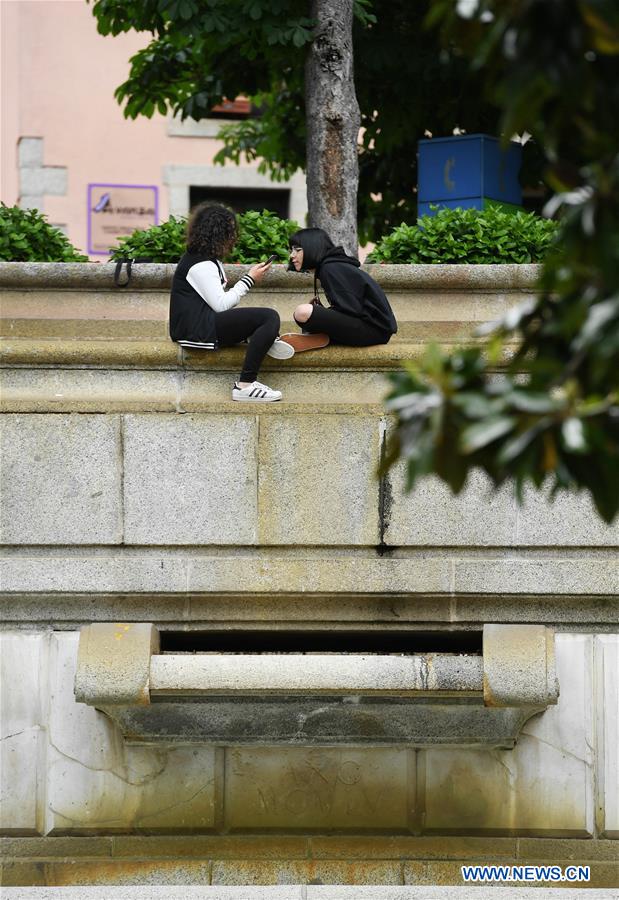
x=135 y=490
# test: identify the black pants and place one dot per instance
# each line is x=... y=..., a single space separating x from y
x=259 y=325
x=344 y=329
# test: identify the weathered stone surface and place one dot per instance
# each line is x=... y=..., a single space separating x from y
x=30 y=152
x=329 y=467
x=519 y=666
x=569 y=520
x=106 y=574
x=167 y=892
x=23 y=685
x=113 y=663
x=606 y=702
x=301 y=674
x=480 y=516
x=330 y=574
x=295 y=872
x=61 y=480
x=98 y=783
x=89 y=390
x=432 y=516
x=317 y=788
x=296 y=892
x=544 y=785
x=81 y=873
x=191 y=480
x=443 y=279
x=401 y=847
x=553 y=575
x=246 y=846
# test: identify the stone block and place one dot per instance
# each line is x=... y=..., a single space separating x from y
x=337 y=574
x=481 y=516
x=399 y=847
x=95 y=782
x=569 y=520
x=41 y=848
x=23 y=660
x=19 y=758
x=432 y=516
x=576 y=573
x=113 y=663
x=317 y=481
x=88 y=391
x=519 y=666
x=606 y=702
x=100 y=574
x=320 y=788
x=310 y=872
x=32 y=201
x=144 y=872
x=202 y=846
x=302 y=674
x=61 y=480
x=190 y=479
x=541 y=787
x=43 y=180
x=30 y=152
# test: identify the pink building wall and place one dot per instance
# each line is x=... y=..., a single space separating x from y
x=58 y=82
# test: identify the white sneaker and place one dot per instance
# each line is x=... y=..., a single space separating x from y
x=255 y=393
x=280 y=350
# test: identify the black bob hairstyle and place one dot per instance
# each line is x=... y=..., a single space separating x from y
x=315 y=243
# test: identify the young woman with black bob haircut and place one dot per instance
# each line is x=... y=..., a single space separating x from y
x=201 y=305
x=359 y=314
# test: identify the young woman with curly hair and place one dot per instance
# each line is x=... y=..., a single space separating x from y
x=202 y=313
x=359 y=313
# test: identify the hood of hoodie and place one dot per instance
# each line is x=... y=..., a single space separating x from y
x=338 y=254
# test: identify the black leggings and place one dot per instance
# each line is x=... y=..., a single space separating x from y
x=259 y=325
x=344 y=329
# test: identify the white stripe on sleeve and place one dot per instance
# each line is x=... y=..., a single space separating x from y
x=204 y=278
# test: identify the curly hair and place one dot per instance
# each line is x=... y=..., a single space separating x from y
x=211 y=230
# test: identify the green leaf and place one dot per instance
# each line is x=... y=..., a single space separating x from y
x=480 y=435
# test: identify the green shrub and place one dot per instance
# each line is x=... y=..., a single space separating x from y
x=27 y=236
x=160 y=243
x=260 y=235
x=468 y=236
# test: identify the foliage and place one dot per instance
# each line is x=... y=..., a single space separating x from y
x=27 y=236
x=163 y=243
x=260 y=235
x=202 y=52
x=468 y=236
x=553 y=415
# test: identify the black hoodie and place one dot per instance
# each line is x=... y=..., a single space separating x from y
x=351 y=290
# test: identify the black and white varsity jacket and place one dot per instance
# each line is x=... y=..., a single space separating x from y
x=198 y=292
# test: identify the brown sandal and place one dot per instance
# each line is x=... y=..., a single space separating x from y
x=302 y=342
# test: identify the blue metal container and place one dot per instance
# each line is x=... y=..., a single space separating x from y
x=466 y=170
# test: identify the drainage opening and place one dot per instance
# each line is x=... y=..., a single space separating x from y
x=377 y=642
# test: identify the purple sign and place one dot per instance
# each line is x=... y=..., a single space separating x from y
x=116 y=210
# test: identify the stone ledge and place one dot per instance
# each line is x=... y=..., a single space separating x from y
x=334 y=575
x=428 y=887
x=146 y=276
x=167 y=355
x=563 y=850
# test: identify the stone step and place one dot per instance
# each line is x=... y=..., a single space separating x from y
x=164 y=354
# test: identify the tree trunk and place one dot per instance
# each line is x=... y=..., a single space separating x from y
x=333 y=119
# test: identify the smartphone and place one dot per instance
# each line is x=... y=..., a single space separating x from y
x=271 y=259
